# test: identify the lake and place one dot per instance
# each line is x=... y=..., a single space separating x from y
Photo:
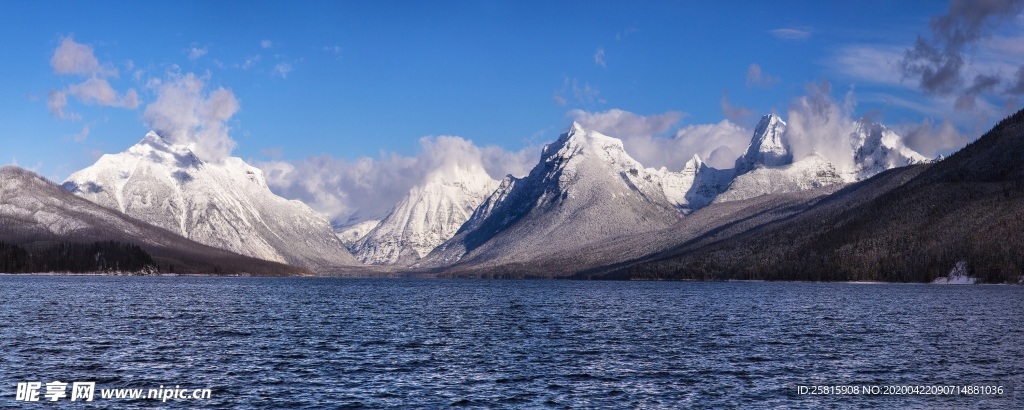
x=271 y=343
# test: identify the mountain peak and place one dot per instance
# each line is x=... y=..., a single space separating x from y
x=767 y=146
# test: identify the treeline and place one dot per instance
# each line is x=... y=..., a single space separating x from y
x=969 y=207
x=106 y=256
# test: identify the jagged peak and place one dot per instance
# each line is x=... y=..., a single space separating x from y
x=694 y=163
x=767 y=145
x=767 y=120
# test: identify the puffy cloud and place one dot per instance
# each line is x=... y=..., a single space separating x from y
x=624 y=124
x=819 y=124
x=644 y=139
x=931 y=139
x=790 y=33
x=185 y=112
x=599 y=57
x=367 y=187
x=940 y=63
x=757 y=78
x=78 y=59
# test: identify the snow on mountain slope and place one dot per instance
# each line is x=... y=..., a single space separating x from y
x=809 y=173
x=584 y=189
x=34 y=210
x=768 y=147
x=877 y=148
x=351 y=234
x=225 y=205
x=427 y=216
x=696 y=185
x=767 y=166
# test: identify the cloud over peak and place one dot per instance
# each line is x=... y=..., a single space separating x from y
x=186 y=112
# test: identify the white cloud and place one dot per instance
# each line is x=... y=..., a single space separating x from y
x=369 y=187
x=599 y=57
x=624 y=124
x=266 y=44
x=185 y=112
x=818 y=124
x=98 y=91
x=645 y=140
x=194 y=53
x=791 y=33
x=78 y=59
x=758 y=78
x=282 y=69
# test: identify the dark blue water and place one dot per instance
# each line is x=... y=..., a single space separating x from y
x=272 y=343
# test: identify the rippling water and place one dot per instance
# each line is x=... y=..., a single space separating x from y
x=327 y=343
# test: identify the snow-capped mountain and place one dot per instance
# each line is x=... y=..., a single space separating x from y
x=222 y=204
x=768 y=146
x=696 y=185
x=877 y=148
x=426 y=217
x=767 y=165
x=584 y=189
x=34 y=210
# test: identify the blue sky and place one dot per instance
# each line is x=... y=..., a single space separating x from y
x=339 y=81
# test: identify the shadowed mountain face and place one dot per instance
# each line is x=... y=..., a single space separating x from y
x=34 y=211
x=226 y=204
x=909 y=224
x=584 y=190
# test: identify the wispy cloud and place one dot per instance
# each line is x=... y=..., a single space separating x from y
x=735 y=114
x=625 y=33
x=266 y=44
x=572 y=91
x=335 y=49
x=791 y=33
x=758 y=78
x=81 y=135
x=195 y=53
x=599 y=57
x=282 y=69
